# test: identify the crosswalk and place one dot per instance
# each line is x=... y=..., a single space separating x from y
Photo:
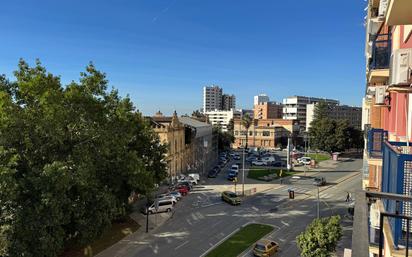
x=307 y=191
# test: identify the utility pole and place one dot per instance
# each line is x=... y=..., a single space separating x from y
x=243 y=173
x=288 y=154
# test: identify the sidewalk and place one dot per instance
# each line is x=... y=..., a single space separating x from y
x=122 y=247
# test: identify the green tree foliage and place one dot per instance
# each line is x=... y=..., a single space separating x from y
x=246 y=122
x=225 y=138
x=332 y=135
x=320 y=237
x=69 y=159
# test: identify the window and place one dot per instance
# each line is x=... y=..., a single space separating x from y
x=250 y=133
x=266 y=133
x=243 y=133
x=236 y=133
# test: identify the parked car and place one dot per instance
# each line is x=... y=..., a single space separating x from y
x=182 y=189
x=212 y=174
x=176 y=194
x=235 y=168
x=319 y=181
x=277 y=164
x=236 y=157
x=186 y=184
x=232 y=175
x=195 y=176
x=167 y=197
x=305 y=160
x=231 y=197
x=265 y=248
x=160 y=205
x=258 y=163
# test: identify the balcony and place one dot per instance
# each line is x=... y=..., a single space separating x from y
x=376 y=138
x=397 y=179
x=399 y=12
x=381 y=51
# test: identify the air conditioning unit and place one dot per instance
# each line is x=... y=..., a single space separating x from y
x=383 y=6
x=380 y=93
x=401 y=67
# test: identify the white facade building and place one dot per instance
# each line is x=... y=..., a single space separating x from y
x=294 y=107
x=261 y=98
x=221 y=118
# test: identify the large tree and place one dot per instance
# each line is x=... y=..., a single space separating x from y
x=320 y=237
x=225 y=138
x=70 y=156
x=246 y=122
x=331 y=135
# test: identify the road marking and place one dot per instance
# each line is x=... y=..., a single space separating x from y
x=177 y=247
x=284 y=223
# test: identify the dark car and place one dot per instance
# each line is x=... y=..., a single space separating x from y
x=212 y=174
x=217 y=169
x=278 y=164
x=186 y=184
x=232 y=175
x=236 y=157
x=319 y=181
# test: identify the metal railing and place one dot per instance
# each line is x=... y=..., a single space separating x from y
x=381 y=51
x=376 y=138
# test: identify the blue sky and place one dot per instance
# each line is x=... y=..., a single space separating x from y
x=162 y=52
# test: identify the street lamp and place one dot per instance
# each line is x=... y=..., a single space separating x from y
x=318 y=211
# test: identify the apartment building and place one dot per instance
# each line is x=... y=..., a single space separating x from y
x=261 y=98
x=228 y=102
x=387 y=116
x=212 y=98
x=267 y=110
x=265 y=134
x=294 y=108
x=337 y=112
x=222 y=118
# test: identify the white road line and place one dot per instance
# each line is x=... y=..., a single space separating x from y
x=177 y=247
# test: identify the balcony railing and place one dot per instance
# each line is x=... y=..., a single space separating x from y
x=376 y=138
x=397 y=179
x=381 y=51
x=378 y=231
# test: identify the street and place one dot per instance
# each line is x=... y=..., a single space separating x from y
x=201 y=220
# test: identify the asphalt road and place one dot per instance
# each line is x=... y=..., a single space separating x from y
x=201 y=220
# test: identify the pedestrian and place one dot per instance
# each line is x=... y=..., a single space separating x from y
x=281 y=180
x=347 y=197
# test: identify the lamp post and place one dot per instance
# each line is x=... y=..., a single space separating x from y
x=318 y=211
x=243 y=157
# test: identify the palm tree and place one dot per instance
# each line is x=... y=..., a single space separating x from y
x=246 y=122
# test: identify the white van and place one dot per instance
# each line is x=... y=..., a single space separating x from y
x=195 y=176
x=162 y=206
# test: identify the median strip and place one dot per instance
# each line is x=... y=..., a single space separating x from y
x=240 y=241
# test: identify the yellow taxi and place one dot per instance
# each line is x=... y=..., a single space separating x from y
x=265 y=248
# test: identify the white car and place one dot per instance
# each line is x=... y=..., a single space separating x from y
x=235 y=167
x=171 y=198
x=195 y=176
x=305 y=160
x=258 y=163
x=189 y=179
